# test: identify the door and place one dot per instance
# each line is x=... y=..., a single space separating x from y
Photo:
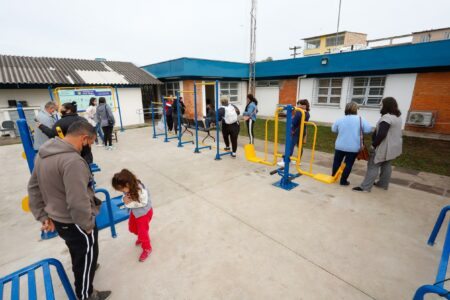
x=267 y=100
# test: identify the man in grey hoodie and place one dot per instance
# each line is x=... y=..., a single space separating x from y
x=45 y=117
x=61 y=196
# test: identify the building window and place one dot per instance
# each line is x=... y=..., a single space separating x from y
x=230 y=89
x=329 y=91
x=170 y=88
x=335 y=41
x=267 y=83
x=425 y=38
x=312 y=44
x=447 y=35
x=368 y=91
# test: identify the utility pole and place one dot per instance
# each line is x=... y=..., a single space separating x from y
x=252 y=65
x=295 y=50
x=337 y=29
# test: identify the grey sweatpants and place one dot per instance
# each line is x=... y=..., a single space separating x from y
x=384 y=169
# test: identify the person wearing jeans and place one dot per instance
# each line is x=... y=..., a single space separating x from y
x=386 y=146
x=90 y=116
x=106 y=119
x=348 y=142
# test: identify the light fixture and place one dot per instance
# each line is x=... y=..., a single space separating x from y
x=324 y=61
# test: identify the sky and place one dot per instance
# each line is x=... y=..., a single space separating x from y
x=149 y=31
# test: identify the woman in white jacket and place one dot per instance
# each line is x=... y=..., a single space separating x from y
x=90 y=116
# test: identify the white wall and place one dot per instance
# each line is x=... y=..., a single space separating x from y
x=399 y=86
x=130 y=102
x=131 y=106
x=268 y=98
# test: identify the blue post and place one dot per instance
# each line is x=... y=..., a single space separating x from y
x=120 y=112
x=195 y=119
x=50 y=91
x=20 y=111
x=153 y=118
x=216 y=95
x=180 y=144
x=27 y=143
x=163 y=100
x=442 y=269
x=286 y=178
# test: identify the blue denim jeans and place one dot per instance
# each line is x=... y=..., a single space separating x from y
x=99 y=131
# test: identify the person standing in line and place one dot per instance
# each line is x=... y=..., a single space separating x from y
x=169 y=111
x=175 y=112
x=251 y=109
x=90 y=116
x=105 y=116
x=350 y=129
x=46 y=117
x=137 y=199
x=228 y=114
x=386 y=146
x=61 y=197
x=69 y=116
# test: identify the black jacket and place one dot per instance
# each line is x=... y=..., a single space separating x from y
x=64 y=123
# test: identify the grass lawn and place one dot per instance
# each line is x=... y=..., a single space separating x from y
x=418 y=153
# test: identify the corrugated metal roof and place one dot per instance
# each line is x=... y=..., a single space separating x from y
x=47 y=70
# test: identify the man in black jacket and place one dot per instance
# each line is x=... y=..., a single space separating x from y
x=68 y=117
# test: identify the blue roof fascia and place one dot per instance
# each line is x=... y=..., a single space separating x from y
x=430 y=56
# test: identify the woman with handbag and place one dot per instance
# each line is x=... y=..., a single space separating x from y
x=386 y=146
x=350 y=140
x=105 y=116
x=251 y=109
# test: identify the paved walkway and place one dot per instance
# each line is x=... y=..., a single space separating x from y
x=221 y=230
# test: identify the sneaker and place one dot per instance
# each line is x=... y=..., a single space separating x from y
x=137 y=243
x=227 y=149
x=359 y=189
x=99 y=295
x=233 y=154
x=281 y=163
x=345 y=183
x=144 y=255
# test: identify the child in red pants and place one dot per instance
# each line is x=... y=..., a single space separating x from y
x=137 y=199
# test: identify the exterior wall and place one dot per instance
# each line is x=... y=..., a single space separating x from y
x=435 y=35
x=350 y=38
x=399 y=86
x=288 y=91
x=130 y=102
x=188 y=85
x=432 y=93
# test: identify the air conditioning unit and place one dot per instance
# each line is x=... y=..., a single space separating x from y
x=421 y=118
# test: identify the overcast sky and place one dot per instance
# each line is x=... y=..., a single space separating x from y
x=148 y=31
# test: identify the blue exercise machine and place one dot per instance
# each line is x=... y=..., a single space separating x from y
x=438 y=286
x=30 y=273
x=110 y=214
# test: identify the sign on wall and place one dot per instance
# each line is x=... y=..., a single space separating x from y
x=82 y=96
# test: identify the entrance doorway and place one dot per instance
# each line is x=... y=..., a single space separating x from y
x=209 y=98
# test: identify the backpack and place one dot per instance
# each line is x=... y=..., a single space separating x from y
x=231 y=116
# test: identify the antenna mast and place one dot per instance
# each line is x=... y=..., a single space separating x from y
x=252 y=71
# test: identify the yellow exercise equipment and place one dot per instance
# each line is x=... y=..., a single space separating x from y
x=26 y=204
x=59 y=131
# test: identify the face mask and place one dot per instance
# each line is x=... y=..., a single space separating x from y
x=63 y=113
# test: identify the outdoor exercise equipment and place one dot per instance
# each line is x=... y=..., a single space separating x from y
x=154 y=107
x=110 y=214
x=438 y=286
x=286 y=180
x=30 y=273
x=179 y=120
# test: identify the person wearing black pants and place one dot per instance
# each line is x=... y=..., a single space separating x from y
x=83 y=249
x=228 y=114
x=107 y=132
x=251 y=109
